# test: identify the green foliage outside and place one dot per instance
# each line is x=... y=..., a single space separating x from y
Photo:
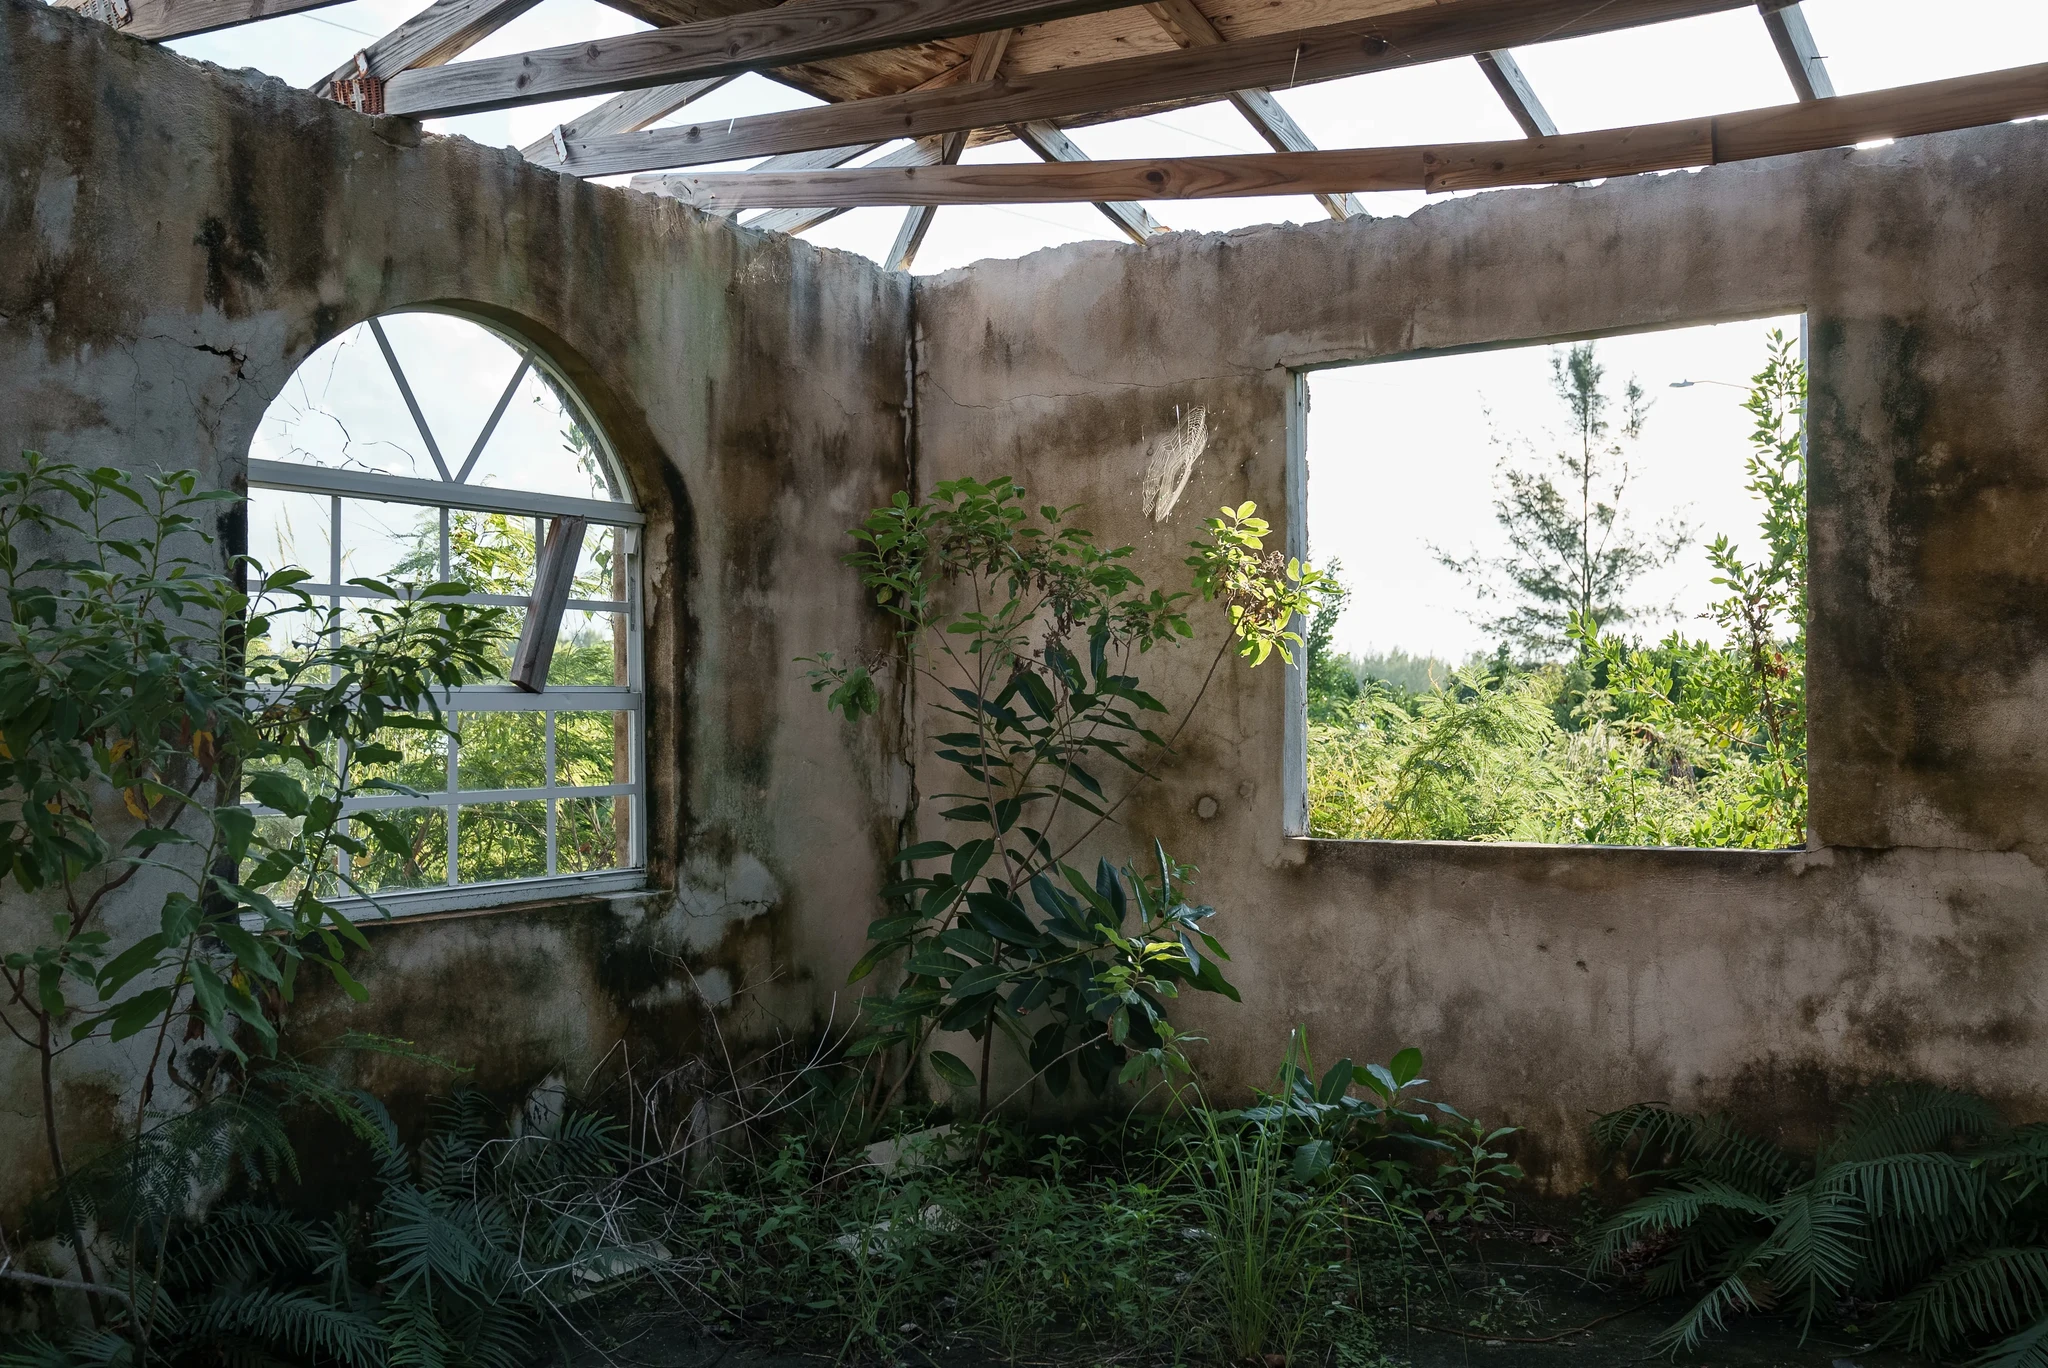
x=494 y=553
x=1687 y=741
x=1922 y=1221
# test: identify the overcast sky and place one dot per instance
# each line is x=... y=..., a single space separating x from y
x=1438 y=417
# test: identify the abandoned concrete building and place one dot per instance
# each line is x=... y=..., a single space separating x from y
x=177 y=240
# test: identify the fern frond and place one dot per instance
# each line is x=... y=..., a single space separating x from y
x=1673 y=1208
x=33 y=1351
x=1909 y=1118
x=1816 y=1248
x=244 y=1241
x=296 y=1319
x=1710 y=1314
x=1988 y=1294
x=2027 y=1349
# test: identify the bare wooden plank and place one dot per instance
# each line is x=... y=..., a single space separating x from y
x=923 y=153
x=1192 y=27
x=678 y=187
x=1130 y=217
x=625 y=113
x=1932 y=107
x=1452 y=28
x=439 y=33
x=802 y=31
x=1458 y=165
x=1796 y=49
x=917 y=220
x=1517 y=93
x=157 y=20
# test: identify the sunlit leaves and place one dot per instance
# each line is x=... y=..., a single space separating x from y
x=140 y=669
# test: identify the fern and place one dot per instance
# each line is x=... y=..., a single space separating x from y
x=1921 y=1193
x=1911 y=1118
x=1980 y=1296
x=296 y=1319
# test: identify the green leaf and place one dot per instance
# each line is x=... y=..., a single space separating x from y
x=1405 y=1066
x=952 y=1069
x=149 y=838
x=279 y=791
x=923 y=850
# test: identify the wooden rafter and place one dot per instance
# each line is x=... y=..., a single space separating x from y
x=1517 y=93
x=1936 y=106
x=1191 y=27
x=1796 y=49
x=917 y=221
x=1130 y=217
x=802 y=31
x=627 y=113
x=439 y=33
x=157 y=20
x=1453 y=28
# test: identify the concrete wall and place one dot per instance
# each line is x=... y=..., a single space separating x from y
x=1544 y=984
x=175 y=239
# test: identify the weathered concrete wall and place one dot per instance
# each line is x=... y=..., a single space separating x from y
x=175 y=239
x=1544 y=984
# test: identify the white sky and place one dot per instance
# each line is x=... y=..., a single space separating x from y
x=1422 y=472
x=1666 y=71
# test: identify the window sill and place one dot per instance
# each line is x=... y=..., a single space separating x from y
x=490 y=897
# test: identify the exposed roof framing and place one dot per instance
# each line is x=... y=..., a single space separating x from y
x=987 y=61
x=1516 y=93
x=923 y=81
x=1049 y=143
x=1796 y=49
x=1190 y=27
x=1937 y=106
x=809 y=31
x=1452 y=28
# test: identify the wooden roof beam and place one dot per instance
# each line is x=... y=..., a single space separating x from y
x=1796 y=49
x=439 y=33
x=627 y=113
x=156 y=20
x=1905 y=111
x=917 y=221
x=1516 y=93
x=1190 y=27
x=1449 y=29
x=1130 y=217
x=787 y=35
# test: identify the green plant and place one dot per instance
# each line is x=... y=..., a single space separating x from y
x=1921 y=1194
x=1573 y=555
x=1268 y=1243
x=1686 y=741
x=142 y=692
x=461 y=1253
x=1470 y=1183
x=1025 y=630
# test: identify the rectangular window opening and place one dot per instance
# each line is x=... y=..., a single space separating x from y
x=1574 y=593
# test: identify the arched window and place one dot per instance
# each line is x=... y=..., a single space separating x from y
x=422 y=447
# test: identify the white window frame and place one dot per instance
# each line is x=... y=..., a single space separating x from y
x=452 y=492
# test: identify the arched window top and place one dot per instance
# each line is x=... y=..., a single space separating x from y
x=434 y=396
x=423 y=447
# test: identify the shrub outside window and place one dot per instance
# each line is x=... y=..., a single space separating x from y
x=423 y=447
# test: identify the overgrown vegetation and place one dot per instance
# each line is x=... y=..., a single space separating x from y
x=1921 y=1221
x=143 y=692
x=1572 y=732
x=1025 y=632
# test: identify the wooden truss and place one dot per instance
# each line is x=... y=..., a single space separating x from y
x=935 y=77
